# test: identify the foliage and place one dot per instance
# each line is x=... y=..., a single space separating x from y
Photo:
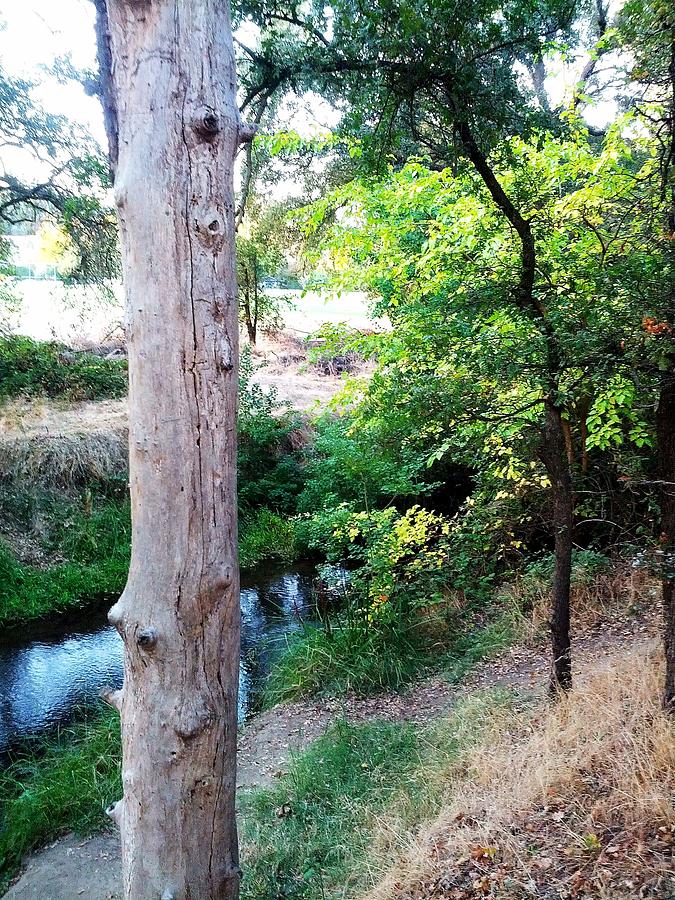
x=265 y=535
x=69 y=193
x=261 y=260
x=64 y=784
x=269 y=469
x=38 y=368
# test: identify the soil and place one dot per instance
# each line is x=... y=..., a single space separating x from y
x=72 y=868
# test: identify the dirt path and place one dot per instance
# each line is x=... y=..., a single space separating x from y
x=72 y=868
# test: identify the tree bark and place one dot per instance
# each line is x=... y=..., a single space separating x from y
x=554 y=456
x=174 y=84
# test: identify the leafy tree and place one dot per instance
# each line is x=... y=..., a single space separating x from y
x=69 y=186
x=445 y=84
x=474 y=366
x=260 y=257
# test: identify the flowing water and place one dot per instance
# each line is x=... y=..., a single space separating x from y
x=49 y=673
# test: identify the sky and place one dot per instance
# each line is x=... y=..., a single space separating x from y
x=35 y=34
x=38 y=32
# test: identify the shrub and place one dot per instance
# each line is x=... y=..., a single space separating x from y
x=44 y=368
x=269 y=469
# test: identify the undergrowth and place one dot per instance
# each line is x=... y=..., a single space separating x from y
x=265 y=535
x=56 y=785
x=311 y=836
x=92 y=538
x=44 y=368
x=344 y=660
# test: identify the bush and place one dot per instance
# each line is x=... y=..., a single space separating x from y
x=269 y=469
x=44 y=368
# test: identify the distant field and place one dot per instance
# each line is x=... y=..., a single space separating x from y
x=78 y=314
x=310 y=310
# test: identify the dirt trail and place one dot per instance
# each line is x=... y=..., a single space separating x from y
x=72 y=868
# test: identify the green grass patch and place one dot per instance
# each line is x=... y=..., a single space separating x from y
x=93 y=537
x=357 y=660
x=32 y=368
x=265 y=535
x=312 y=837
x=56 y=785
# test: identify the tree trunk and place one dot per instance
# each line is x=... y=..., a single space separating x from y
x=557 y=451
x=554 y=456
x=665 y=425
x=173 y=81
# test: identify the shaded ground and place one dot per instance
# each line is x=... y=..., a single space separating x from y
x=71 y=868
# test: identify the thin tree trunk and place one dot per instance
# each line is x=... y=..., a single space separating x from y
x=665 y=423
x=555 y=448
x=554 y=456
x=174 y=91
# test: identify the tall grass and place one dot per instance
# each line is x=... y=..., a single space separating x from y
x=360 y=660
x=60 y=784
x=560 y=783
x=265 y=535
x=95 y=543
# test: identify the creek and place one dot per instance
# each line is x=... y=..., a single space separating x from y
x=50 y=673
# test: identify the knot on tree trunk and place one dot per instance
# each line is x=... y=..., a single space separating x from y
x=146 y=638
x=206 y=123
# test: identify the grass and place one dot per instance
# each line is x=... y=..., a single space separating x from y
x=65 y=461
x=308 y=837
x=45 y=368
x=265 y=535
x=313 y=835
x=63 y=784
x=575 y=796
x=364 y=661
x=92 y=535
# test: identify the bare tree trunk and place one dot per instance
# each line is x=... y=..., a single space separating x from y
x=554 y=456
x=173 y=85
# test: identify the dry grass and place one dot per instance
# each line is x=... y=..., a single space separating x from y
x=573 y=800
x=597 y=597
x=64 y=460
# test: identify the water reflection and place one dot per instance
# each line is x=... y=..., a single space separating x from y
x=47 y=675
